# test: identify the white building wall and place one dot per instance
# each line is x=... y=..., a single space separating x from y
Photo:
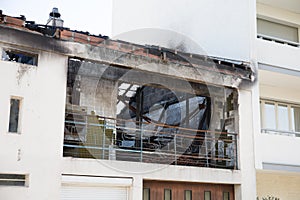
x=276 y=148
x=37 y=150
x=220 y=28
x=275 y=54
x=247 y=189
x=140 y=171
x=277 y=159
x=223 y=29
x=278 y=55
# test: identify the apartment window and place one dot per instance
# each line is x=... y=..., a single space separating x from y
x=14 y=115
x=188 y=195
x=168 y=194
x=20 y=57
x=146 y=194
x=12 y=180
x=207 y=195
x=280 y=116
x=277 y=31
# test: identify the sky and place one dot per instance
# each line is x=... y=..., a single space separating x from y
x=94 y=16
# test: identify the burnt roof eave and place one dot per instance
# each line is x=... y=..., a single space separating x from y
x=30 y=40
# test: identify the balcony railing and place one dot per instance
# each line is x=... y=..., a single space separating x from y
x=278 y=40
x=91 y=136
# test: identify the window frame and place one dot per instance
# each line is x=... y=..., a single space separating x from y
x=277 y=39
x=28 y=53
x=167 y=190
x=191 y=193
x=149 y=196
x=21 y=99
x=14 y=180
x=209 y=192
x=228 y=193
x=277 y=103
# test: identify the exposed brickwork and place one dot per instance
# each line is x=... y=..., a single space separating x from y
x=14 y=21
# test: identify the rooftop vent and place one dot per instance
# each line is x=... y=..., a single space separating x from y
x=54 y=19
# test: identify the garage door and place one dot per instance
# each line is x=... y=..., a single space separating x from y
x=94 y=188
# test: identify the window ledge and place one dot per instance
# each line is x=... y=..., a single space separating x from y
x=14 y=133
x=279 y=132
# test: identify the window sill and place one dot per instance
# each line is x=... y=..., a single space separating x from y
x=13 y=133
x=279 y=132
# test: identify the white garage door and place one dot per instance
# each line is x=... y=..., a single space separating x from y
x=93 y=193
x=94 y=188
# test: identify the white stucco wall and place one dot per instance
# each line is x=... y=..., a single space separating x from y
x=220 y=28
x=279 y=55
x=277 y=14
x=148 y=171
x=275 y=148
x=247 y=189
x=276 y=54
x=40 y=140
x=279 y=149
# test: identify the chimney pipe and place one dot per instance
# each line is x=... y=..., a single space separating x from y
x=54 y=19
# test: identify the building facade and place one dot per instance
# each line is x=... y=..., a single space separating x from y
x=172 y=107
x=264 y=33
x=277 y=142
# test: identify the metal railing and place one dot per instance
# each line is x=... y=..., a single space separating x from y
x=113 y=139
x=278 y=40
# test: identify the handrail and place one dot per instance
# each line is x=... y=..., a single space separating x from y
x=279 y=40
x=181 y=146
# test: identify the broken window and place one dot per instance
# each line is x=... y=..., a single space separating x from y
x=20 y=57
x=14 y=115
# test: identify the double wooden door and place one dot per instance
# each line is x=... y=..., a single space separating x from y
x=165 y=190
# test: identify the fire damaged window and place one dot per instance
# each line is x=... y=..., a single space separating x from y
x=119 y=113
x=19 y=57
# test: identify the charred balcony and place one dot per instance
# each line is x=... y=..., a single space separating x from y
x=126 y=114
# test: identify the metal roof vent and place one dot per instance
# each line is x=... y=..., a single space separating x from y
x=54 y=19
